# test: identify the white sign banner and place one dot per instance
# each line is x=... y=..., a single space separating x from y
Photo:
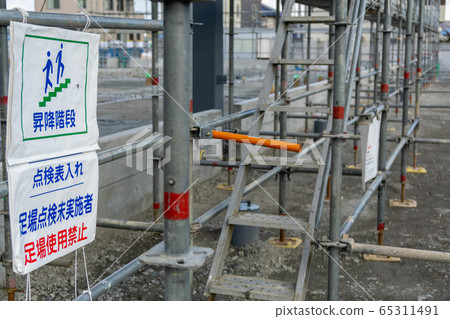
x=51 y=141
x=52 y=94
x=370 y=142
x=53 y=206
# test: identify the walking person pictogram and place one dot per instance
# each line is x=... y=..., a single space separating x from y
x=60 y=65
x=49 y=69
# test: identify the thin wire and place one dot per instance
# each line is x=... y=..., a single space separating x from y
x=320 y=56
x=75 y=272
x=88 y=20
x=312 y=238
x=87 y=276
x=28 y=289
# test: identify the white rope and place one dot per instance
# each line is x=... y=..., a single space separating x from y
x=24 y=13
x=28 y=289
x=88 y=20
x=75 y=273
x=87 y=278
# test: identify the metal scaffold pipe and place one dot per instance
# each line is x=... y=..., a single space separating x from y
x=7 y=255
x=336 y=148
x=75 y=21
x=177 y=47
x=418 y=254
x=406 y=94
x=240 y=138
x=156 y=181
x=418 y=77
x=383 y=126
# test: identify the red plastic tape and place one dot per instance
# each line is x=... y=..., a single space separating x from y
x=338 y=112
x=403 y=178
x=384 y=88
x=330 y=74
x=3 y=100
x=380 y=226
x=406 y=75
x=419 y=70
x=176 y=206
x=155 y=205
x=155 y=81
x=355 y=147
x=191 y=106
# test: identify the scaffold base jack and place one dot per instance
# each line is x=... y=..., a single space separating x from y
x=225 y=186
x=416 y=170
x=289 y=242
x=407 y=203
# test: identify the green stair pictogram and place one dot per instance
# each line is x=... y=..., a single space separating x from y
x=53 y=94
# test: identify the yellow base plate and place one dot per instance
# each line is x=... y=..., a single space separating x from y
x=409 y=203
x=351 y=166
x=289 y=242
x=391 y=129
x=225 y=186
x=417 y=170
x=370 y=257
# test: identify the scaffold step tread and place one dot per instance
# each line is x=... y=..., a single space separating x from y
x=268 y=221
x=311 y=19
x=253 y=288
x=303 y=61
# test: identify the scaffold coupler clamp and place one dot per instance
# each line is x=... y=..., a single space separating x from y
x=195 y=259
x=326 y=244
x=201 y=132
x=343 y=136
x=6 y=263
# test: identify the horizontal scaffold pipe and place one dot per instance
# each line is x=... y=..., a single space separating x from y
x=240 y=138
x=311 y=170
x=410 y=253
x=74 y=21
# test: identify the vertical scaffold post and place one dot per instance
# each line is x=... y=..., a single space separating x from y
x=230 y=79
x=406 y=86
x=399 y=49
x=308 y=56
x=376 y=58
x=276 y=116
x=385 y=71
x=282 y=192
x=177 y=47
x=418 y=79
x=155 y=115
x=357 y=100
x=7 y=255
x=337 y=143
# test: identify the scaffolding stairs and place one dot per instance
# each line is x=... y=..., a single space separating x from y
x=262 y=288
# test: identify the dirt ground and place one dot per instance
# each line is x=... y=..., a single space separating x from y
x=424 y=227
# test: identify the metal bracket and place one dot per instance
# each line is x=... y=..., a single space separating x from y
x=196 y=258
x=329 y=244
x=201 y=132
x=5 y=262
x=343 y=136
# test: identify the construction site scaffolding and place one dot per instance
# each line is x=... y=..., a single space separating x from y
x=412 y=25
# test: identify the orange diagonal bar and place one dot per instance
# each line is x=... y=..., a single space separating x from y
x=257 y=141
